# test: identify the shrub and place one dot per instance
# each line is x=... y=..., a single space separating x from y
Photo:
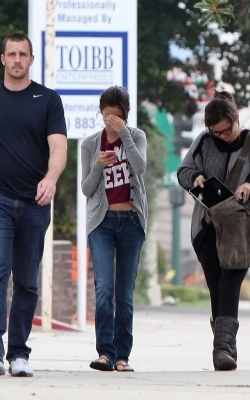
x=185 y=293
x=245 y=290
x=141 y=297
x=162 y=264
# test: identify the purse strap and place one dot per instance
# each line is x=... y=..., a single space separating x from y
x=233 y=176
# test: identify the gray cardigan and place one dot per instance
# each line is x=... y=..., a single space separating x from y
x=135 y=144
x=209 y=156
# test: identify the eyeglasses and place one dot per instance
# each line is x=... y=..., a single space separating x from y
x=227 y=131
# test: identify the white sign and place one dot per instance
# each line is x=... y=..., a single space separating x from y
x=95 y=47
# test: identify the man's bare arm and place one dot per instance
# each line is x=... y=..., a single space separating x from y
x=46 y=188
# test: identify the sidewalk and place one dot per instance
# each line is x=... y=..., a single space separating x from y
x=171 y=356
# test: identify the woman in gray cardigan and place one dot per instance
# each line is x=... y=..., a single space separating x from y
x=213 y=153
x=113 y=161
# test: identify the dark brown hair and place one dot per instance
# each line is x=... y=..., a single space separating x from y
x=222 y=106
x=115 y=96
x=17 y=37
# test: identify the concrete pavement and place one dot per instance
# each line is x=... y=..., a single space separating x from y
x=171 y=357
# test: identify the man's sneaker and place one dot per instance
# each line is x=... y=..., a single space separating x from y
x=20 y=367
x=2 y=369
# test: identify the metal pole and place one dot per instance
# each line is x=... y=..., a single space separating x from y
x=154 y=289
x=81 y=246
x=177 y=199
x=47 y=261
x=176 y=245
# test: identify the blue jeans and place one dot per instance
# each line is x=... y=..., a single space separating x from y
x=118 y=238
x=22 y=229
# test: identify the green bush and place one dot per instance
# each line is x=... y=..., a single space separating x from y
x=141 y=297
x=162 y=263
x=245 y=290
x=185 y=293
x=142 y=281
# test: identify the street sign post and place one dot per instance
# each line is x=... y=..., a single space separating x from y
x=95 y=47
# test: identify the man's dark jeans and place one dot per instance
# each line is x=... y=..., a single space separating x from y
x=22 y=230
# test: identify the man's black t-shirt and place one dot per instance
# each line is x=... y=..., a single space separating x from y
x=27 y=118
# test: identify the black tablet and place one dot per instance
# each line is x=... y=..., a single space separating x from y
x=213 y=192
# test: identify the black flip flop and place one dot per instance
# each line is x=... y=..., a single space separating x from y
x=101 y=366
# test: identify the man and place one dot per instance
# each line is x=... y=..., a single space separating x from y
x=33 y=152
